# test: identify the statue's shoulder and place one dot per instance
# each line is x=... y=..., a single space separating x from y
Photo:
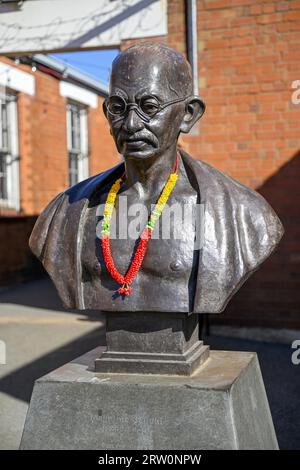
x=85 y=188
x=241 y=230
x=215 y=184
x=222 y=194
x=212 y=179
x=59 y=208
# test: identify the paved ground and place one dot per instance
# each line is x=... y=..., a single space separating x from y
x=282 y=382
x=40 y=336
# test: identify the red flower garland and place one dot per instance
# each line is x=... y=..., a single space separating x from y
x=145 y=236
x=126 y=280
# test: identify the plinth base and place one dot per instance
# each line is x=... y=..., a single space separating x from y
x=223 y=405
x=152 y=343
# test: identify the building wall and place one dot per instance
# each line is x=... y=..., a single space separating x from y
x=17 y=263
x=103 y=154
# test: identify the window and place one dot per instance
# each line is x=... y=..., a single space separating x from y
x=77 y=133
x=9 y=159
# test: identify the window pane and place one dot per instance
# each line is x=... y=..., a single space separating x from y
x=9 y=166
x=4 y=126
x=73 y=168
x=75 y=127
x=3 y=176
x=74 y=132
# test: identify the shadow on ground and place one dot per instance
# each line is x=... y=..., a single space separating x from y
x=40 y=294
x=282 y=383
x=281 y=377
x=19 y=383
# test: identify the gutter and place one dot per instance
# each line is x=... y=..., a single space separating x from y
x=68 y=73
x=192 y=52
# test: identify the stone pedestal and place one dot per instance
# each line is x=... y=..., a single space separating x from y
x=223 y=405
x=152 y=343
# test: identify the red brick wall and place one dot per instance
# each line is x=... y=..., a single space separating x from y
x=17 y=263
x=49 y=141
x=102 y=152
x=271 y=296
x=249 y=54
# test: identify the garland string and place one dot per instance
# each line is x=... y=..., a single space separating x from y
x=126 y=280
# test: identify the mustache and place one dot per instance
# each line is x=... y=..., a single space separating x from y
x=144 y=136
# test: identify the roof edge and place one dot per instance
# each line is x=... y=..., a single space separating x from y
x=70 y=72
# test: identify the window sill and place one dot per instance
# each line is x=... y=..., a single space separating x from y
x=9 y=212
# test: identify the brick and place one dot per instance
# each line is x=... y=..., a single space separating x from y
x=255 y=9
x=215 y=4
x=242 y=41
x=283 y=6
x=291 y=16
x=268 y=19
x=269 y=8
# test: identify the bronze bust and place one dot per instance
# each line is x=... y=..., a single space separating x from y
x=155 y=385
x=150 y=103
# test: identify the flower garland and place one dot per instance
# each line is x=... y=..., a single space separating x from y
x=126 y=281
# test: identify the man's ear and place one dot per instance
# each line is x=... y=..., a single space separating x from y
x=194 y=109
x=104 y=107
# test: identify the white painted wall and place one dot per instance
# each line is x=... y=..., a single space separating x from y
x=12 y=158
x=79 y=94
x=18 y=80
x=45 y=25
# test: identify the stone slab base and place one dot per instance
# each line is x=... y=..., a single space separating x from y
x=149 y=363
x=223 y=405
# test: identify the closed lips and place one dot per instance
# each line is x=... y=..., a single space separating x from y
x=141 y=140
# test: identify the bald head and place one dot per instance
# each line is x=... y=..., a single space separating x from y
x=146 y=64
x=150 y=100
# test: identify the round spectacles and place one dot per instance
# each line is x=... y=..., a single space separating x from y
x=146 y=107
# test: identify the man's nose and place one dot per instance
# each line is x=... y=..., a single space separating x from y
x=133 y=122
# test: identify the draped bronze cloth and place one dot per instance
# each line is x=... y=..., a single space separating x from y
x=240 y=232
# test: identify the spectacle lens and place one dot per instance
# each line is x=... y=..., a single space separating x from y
x=149 y=105
x=116 y=105
x=146 y=107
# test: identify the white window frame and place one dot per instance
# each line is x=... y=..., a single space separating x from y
x=83 y=150
x=11 y=153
